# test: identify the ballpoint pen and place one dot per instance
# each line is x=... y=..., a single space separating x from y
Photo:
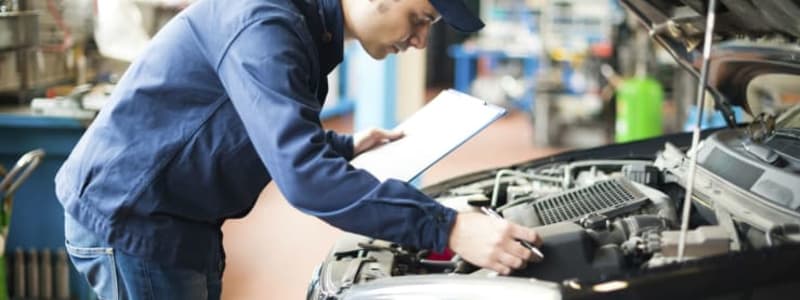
x=525 y=243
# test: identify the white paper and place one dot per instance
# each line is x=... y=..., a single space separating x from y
x=437 y=129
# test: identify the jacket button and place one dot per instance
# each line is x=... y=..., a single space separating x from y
x=326 y=37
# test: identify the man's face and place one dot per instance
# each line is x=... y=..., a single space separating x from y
x=391 y=26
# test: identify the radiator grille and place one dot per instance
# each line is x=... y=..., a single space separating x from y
x=605 y=197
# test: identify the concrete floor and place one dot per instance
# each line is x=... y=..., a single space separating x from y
x=272 y=252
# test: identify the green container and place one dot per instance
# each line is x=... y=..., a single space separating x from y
x=639 y=109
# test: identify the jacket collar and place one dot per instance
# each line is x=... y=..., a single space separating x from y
x=332 y=39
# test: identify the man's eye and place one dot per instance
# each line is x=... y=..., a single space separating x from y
x=418 y=21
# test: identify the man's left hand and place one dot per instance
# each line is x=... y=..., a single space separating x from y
x=365 y=140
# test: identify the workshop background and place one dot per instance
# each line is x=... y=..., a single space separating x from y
x=571 y=73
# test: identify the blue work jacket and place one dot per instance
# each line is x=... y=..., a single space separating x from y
x=225 y=98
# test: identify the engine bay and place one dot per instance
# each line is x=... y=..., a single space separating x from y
x=600 y=218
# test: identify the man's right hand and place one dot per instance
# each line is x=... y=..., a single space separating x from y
x=492 y=243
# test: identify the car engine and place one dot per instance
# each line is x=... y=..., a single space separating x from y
x=600 y=218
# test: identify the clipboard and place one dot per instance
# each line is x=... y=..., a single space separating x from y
x=431 y=133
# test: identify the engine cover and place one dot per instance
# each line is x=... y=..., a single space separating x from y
x=570 y=250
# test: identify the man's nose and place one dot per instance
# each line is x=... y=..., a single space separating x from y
x=420 y=38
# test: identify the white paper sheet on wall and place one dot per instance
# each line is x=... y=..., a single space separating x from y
x=431 y=133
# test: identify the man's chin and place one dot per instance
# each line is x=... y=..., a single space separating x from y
x=376 y=53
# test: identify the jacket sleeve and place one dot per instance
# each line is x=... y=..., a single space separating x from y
x=341 y=143
x=267 y=72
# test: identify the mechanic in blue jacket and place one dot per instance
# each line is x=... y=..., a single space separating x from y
x=226 y=98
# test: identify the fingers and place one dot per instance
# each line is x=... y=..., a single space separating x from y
x=505 y=261
x=386 y=135
x=510 y=254
x=373 y=137
x=521 y=233
x=526 y=234
x=515 y=248
x=395 y=134
x=511 y=261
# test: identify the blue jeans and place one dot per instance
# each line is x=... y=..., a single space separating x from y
x=115 y=275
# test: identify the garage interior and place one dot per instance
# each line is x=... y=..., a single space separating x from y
x=570 y=75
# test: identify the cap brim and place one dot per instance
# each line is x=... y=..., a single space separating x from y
x=457 y=15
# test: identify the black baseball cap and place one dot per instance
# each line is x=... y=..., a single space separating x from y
x=455 y=13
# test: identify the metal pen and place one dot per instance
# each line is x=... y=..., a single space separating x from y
x=525 y=243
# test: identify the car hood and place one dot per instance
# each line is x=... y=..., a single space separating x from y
x=751 y=38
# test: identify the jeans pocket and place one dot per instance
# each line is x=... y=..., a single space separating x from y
x=97 y=265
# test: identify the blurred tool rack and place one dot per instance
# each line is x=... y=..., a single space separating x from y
x=465 y=58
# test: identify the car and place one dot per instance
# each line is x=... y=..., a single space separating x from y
x=611 y=217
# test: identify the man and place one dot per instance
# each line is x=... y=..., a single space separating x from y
x=226 y=98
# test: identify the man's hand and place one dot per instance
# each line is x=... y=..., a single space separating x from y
x=491 y=243
x=373 y=137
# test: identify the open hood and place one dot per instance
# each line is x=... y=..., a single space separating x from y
x=751 y=38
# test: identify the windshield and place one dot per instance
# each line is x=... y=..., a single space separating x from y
x=778 y=95
x=791 y=118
